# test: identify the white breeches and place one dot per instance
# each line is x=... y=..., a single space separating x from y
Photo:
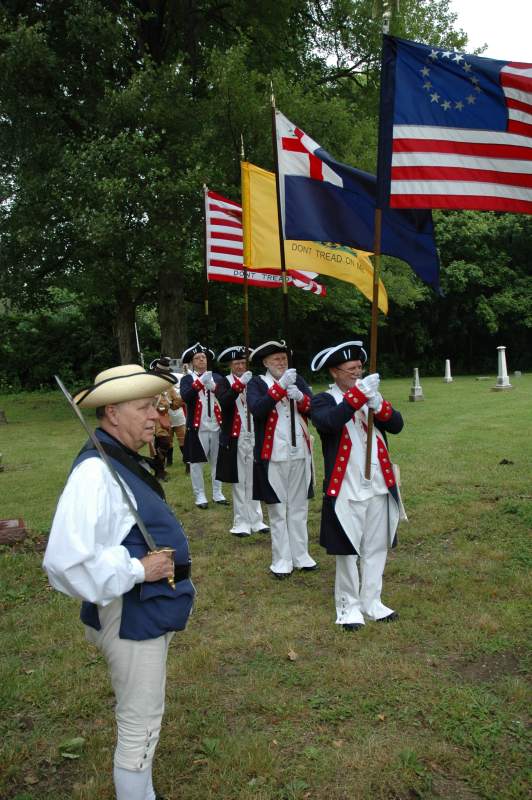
x=209 y=441
x=288 y=519
x=247 y=512
x=138 y=676
x=358 y=595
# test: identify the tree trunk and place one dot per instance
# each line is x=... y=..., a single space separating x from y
x=172 y=312
x=124 y=327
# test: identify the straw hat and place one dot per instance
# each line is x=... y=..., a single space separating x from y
x=118 y=384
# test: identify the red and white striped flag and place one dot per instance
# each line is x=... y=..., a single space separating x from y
x=225 y=250
x=456 y=130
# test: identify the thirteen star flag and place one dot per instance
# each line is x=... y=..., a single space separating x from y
x=455 y=130
x=324 y=200
x=261 y=240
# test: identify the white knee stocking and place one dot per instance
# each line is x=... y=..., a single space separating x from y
x=131 y=785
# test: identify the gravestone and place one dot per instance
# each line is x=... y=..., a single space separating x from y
x=416 y=392
x=503 y=381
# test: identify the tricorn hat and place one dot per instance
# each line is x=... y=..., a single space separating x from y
x=339 y=354
x=267 y=349
x=234 y=353
x=189 y=354
x=119 y=384
x=161 y=365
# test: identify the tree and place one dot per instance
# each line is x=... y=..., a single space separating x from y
x=113 y=115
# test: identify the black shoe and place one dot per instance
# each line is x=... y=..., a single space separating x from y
x=262 y=530
x=390 y=618
x=352 y=626
x=309 y=569
x=240 y=534
x=221 y=502
x=203 y=506
x=281 y=576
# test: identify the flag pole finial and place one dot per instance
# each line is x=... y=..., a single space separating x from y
x=272 y=95
x=242 y=151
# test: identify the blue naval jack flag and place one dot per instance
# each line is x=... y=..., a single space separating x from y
x=325 y=200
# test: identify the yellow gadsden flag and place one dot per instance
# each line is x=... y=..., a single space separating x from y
x=261 y=240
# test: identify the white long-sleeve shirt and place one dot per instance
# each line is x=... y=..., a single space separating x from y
x=84 y=557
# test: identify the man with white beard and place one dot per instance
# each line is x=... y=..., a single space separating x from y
x=197 y=389
x=359 y=516
x=235 y=453
x=282 y=474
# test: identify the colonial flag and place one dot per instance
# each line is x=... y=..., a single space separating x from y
x=455 y=130
x=261 y=240
x=324 y=200
x=225 y=250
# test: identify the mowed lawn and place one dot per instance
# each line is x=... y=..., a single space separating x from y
x=267 y=699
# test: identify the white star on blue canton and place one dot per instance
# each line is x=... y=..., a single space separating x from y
x=459 y=105
x=446 y=105
x=425 y=72
x=427 y=85
x=466 y=67
x=448 y=54
x=433 y=55
x=470 y=99
x=458 y=58
x=474 y=80
x=434 y=98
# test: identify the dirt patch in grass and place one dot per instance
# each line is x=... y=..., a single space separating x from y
x=490 y=667
x=448 y=787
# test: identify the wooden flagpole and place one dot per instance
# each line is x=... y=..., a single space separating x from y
x=386 y=17
x=286 y=319
x=245 y=287
x=206 y=286
x=374 y=328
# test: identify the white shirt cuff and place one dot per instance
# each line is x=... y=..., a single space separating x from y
x=138 y=570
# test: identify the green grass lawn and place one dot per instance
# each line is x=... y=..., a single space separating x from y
x=435 y=706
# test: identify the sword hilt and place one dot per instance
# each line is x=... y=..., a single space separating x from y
x=171 y=581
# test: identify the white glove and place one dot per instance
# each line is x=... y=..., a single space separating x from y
x=246 y=377
x=211 y=385
x=375 y=402
x=369 y=385
x=287 y=378
x=293 y=393
x=206 y=378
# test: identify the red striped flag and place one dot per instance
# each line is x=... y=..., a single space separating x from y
x=456 y=130
x=225 y=250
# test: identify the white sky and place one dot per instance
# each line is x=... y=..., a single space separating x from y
x=506 y=27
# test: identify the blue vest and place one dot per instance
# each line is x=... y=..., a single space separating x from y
x=149 y=609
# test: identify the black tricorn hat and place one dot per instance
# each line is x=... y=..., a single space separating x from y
x=339 y=354
x=234 y=353
x=189 y=354
x=267 y=349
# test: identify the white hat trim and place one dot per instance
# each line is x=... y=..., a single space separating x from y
x=320 y=358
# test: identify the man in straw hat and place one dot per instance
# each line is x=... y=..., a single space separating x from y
x=96 y=553
x=197 y=389
x=282 y=475
x=235 y=454
x=359 y=516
